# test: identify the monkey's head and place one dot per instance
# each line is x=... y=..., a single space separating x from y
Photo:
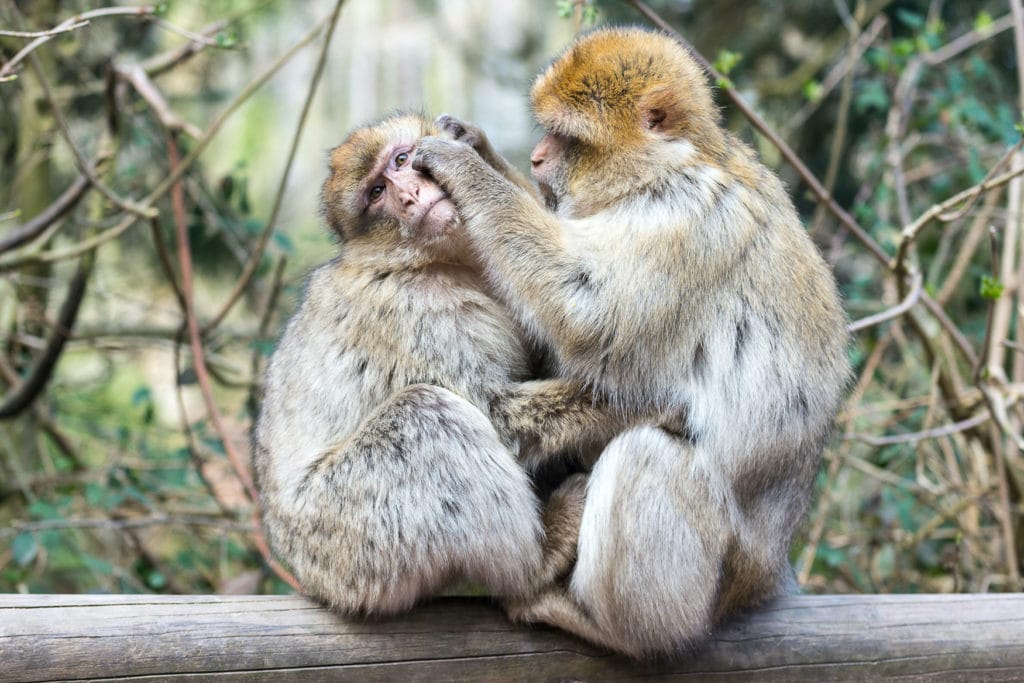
x=619 y=103
x=373 y=190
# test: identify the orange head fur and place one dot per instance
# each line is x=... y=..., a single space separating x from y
x=354 y=159
x=613 y=85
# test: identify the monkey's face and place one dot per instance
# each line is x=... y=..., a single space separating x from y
x=395 y=190
x=547 y=164
x=374 y=192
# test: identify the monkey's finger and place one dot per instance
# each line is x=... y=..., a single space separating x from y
x=451 y=125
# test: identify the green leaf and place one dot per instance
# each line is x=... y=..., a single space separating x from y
x=903 y=47
x=983 y=21
x=564 y=8
x=911 y=19
x=141 y=395
x=284 y=242
x=156 y=580
x=812 y=90
x=41 y=509
x=991 y=288
x=726 y=61
x=24 y=548
x=226 y=39
x=265 y=347
x=872 y=95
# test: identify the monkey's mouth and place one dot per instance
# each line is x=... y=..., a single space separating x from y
x=433 y=223
x=549 y=196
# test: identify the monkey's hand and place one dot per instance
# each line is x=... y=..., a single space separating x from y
x=464 y=131
x=474 y=136
x=459 y=170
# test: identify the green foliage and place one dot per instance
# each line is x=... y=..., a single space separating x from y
x=991 y=288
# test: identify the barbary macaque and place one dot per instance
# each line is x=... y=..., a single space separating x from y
x=674 y=278
x=396 y=408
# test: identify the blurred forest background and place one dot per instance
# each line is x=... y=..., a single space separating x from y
x=159 y=176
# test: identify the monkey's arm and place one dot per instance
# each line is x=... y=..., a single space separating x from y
x=474 y=136
x=553 y=416
x=547 y=285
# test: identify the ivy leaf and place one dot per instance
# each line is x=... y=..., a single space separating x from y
x=983 y=21
x=226 y=39
x=991 y=288
x=24 y=548
x=726 y=61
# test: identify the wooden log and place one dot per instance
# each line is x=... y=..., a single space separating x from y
x=282 y=638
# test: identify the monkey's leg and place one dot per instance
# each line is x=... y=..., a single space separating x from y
x=562 y=516
x=422 y=493
x=653 y=541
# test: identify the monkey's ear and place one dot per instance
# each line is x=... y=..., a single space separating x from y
x=662 y=112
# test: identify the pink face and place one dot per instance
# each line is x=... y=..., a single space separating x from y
x=420 y=205
x=548 y=168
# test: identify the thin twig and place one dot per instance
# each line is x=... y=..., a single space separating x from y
x=916 y=288
x=257 y=254
x=22 y=396
x=911 y=231
x=55 y=31
x=137 y=77
x=838 y=73
x=914 y=437
x=193 y=37
x=38 y=224
x=136 y=523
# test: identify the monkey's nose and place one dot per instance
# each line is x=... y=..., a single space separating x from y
x=536 y=160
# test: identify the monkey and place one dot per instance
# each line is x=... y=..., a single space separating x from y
x=389 y=447
x=669 y=272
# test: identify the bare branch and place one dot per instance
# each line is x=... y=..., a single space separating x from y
x=38 y=224
x=914 y=437
x=57 y=30
x=134 y=523
x=22 y=396
x=916 y=288
x=139 y=80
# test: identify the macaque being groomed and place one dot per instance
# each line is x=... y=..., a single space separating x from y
x=676 y=281
x=387 y=448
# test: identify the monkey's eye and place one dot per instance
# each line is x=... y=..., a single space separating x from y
x=401 y=158
x=375 y=192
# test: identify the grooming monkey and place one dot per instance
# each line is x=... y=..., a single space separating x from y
x=394 y=412
x=675 y=279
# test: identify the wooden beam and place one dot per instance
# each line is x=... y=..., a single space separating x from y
x=283 y=638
